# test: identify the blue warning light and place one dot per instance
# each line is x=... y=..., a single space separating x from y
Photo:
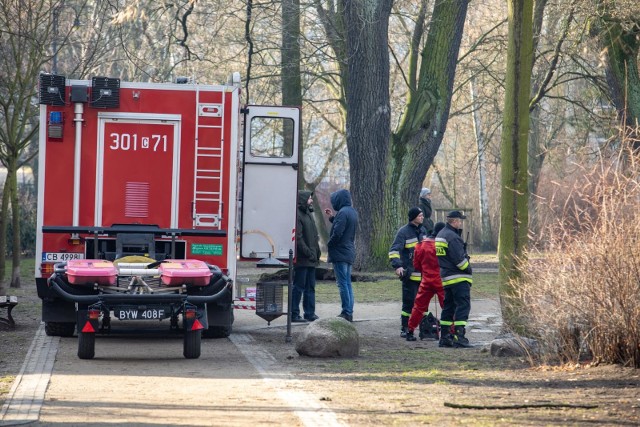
x=55 y=117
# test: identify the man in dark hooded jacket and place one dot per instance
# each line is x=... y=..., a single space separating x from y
x=307 y=259
x=425 y=206
x=341 y=246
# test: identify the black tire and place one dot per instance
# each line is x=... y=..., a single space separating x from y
x=218 y=332
x=59 y=329
x=192 y=344
x=86 y=345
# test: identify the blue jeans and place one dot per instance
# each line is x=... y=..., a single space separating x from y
x=343 y=280
x=304 y=287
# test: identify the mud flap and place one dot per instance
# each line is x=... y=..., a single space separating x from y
x=195 y=317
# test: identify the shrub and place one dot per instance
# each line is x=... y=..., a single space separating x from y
x=581 y=297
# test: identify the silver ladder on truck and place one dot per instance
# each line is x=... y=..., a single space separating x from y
x=208 y=171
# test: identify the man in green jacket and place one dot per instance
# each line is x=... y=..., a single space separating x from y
x=307 y=259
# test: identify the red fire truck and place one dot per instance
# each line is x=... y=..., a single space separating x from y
x=148 y=195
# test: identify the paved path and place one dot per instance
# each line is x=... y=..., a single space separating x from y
x=145 y=380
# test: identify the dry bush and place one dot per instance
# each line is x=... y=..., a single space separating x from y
x=581 y=297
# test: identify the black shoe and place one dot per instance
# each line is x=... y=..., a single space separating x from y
x=346 y=317
x=410 y=336
x=311 y=318
x=298 y=319
x=403 y=332
x=459 y=340
x=446 y=339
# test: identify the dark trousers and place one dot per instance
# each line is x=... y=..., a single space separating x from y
x=304 y=287
x=409 y=292
x=457 y=304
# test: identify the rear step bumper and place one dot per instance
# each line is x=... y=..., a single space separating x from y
x=58 y=285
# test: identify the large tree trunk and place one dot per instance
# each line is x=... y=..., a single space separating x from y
x=15 y=221
x=368 y=114
x=386 y=183
x=621 y=48
x=514 y=219
x=290 y=65
x=416 y=143
x=4 y=218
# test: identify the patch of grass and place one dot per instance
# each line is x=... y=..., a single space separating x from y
x=27 y=277
x=485 y=285
x=5 y=384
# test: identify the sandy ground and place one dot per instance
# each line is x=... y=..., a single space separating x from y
x=257 y=378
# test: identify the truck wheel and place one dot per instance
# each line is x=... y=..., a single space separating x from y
x=86 y=345
x=59 y=329
x=218 y=332
x=222 y=322
x=192 y=341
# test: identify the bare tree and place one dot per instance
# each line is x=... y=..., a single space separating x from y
x=514 y=219
x=26 y=29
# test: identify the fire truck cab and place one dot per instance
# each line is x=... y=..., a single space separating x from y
x=148 y=193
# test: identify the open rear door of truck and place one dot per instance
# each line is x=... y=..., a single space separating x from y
x=269 y=186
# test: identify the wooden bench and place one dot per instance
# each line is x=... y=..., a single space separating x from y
x=8 y=303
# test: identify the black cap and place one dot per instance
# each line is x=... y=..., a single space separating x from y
x=436 y=228
x=456 y=214
x=414 y=212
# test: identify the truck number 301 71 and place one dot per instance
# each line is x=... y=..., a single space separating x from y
x=126 y=142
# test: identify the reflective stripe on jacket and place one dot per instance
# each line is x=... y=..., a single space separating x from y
x=401 y=251
x=452 y=257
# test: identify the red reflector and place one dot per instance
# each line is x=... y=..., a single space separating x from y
x=88 y=327
x=94 y=314
x=197 y=325
x=190 y=314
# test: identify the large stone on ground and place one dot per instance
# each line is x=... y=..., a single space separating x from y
x=514 y=346
x=330 y=337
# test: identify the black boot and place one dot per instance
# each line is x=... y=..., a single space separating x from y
x=446 y=339
x=404 y=326
x=459 y=340
x=410 y=336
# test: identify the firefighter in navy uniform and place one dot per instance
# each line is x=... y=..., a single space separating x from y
x=401 y=257
x=455 y=272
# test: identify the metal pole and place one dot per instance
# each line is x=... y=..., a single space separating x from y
x=289 y=286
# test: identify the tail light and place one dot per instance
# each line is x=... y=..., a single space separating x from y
x=46 y=269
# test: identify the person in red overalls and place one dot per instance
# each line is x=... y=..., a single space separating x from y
x=425 y=262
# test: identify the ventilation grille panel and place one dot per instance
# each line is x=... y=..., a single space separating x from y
x=52 y=89
x=136 y=200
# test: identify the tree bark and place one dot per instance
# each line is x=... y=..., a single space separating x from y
x=4 y=218
x=387 y=170
x=290 y=66
x=368 y=114
x=515 y=133
x=621 y=48
x=15 y=217
x=421 y=130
